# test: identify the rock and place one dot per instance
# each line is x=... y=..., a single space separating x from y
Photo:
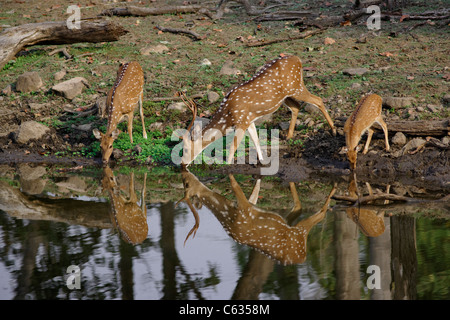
x=30 y=130
x=74 y=183
x=213 y=96
x=284 y=125
x=227 y=69
x=413 y=145
x=180 y=106
x=328 y=40
x=446 y=140
x=59 y=75
x=37 y=106
x=88 y=127
x=420 y=109
x=355 y=71
x=446 y=99
x=156 y=126
x=29 y=81
x=205 y=62
x=71 y=88
x=355 y=86
x=7 y=90
x=311 y=109
x=399 y=139
x=31 y=173
x=159 y=48
x=434 y=108
x=398 y=102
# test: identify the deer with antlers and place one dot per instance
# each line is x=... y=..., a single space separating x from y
x=279 y=81
x=126 y=93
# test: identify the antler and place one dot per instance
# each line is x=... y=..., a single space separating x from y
x=191 y=105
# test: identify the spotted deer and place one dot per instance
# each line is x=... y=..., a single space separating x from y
x=126 y=93
x=127 y=216
x=370 y=222
x=279 y=81
x=361 y=120
x=247 y=224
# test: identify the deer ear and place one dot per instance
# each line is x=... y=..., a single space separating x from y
x=343 y=150
x=115 y=134
x=97 y=134
x=358 y=148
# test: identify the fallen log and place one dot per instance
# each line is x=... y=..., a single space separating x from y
x=143 y=11
x=14 y=39
x=414 y=128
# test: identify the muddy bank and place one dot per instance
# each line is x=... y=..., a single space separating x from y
x=320 y=157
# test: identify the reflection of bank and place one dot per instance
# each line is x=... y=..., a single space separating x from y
x=247 y=224
x=126 y=215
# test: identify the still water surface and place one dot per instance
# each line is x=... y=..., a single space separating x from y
x=255 y=239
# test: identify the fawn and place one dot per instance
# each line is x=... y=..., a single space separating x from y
x=124 y=96
x=361 y=120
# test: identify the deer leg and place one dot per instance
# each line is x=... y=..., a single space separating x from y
x=143 y=205
x=141 y=111
x=255 y=193
x=240 y=196
x=294 y=193
x=369 y=138
x=254 y=136
x=294 y=107
x=130 y=126
x=385 y=130
x=235 y=144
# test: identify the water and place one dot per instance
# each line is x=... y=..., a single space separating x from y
x=52 y=218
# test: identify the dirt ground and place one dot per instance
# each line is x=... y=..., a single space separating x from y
x=319 y=154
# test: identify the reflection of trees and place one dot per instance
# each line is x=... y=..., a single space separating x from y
x=404 y=259
x=178 y=287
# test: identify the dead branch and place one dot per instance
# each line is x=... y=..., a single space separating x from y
x=385 y=196
x=303 y=35
x=14 y=39
x=193 y=34
x=284 y=15
x=142 y=11
x=61 y=50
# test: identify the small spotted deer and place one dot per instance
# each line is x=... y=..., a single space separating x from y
x=361 y=120
x=263 y=230
x=122 y=99
x=127 y=216
x=279 y=81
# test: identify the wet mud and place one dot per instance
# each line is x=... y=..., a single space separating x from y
x=320 y=157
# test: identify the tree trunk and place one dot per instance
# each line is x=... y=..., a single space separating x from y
x=14 y=39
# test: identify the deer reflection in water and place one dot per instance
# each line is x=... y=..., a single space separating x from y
x=247 y=224
x=126 y=215
x=370 y=222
